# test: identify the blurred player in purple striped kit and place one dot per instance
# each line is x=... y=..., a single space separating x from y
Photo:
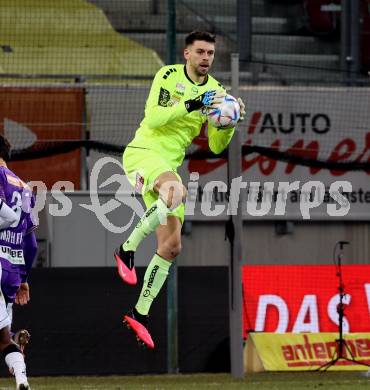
x=18 y=249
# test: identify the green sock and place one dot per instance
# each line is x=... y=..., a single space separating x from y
x=155 y=215
x=154 y=278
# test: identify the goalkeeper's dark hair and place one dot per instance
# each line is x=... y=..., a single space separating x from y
x=199 y=36
x=4 y=148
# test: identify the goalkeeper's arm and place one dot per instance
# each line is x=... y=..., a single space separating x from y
x=219 y=139
x=158 y=114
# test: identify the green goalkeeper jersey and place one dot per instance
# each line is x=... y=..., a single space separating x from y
x=167 y=126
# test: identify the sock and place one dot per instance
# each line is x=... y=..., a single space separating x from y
x=154 y=278
x=15 y=362
x=155 y=215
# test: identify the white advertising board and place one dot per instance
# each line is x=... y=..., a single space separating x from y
x=325 y=123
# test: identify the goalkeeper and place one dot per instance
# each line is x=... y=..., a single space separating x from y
x=173 y=118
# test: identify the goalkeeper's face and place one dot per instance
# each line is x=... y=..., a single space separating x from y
x=199 y=56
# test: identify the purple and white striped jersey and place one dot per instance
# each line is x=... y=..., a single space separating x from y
x=17 y=195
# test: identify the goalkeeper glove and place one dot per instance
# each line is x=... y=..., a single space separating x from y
x=209 y=99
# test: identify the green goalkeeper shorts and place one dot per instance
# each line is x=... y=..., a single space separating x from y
x=142 y=167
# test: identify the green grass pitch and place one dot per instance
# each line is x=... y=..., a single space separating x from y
x=260 y=381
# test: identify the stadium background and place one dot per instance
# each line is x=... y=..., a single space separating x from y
x=74 y=78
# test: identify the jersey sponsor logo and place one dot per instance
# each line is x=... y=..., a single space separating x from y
x=14 y=256
x=194 y=90
x=11 y=237
x=180 y=87
x=164 y=97
x=175 y=100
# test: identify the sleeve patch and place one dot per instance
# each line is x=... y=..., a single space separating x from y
x=164 y=97
x=168 y=73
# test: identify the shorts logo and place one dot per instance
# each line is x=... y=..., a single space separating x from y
x=164 y=97
x=139 y=183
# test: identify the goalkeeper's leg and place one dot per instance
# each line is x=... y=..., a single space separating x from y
x=169 y=246
x=170 y=195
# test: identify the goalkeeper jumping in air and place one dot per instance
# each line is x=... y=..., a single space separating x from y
x=173 y=118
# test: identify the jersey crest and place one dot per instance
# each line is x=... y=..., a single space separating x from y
x=164 y=97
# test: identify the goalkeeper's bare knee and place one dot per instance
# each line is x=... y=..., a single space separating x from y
x=170 y=248
x=173 y=193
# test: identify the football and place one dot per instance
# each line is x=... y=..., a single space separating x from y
x=225 y=115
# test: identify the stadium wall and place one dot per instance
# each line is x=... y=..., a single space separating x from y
x=75 y=315
x=75 y=319
x=80 y=239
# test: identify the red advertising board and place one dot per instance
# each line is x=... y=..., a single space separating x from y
x=304 y=298
x=31 y=115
